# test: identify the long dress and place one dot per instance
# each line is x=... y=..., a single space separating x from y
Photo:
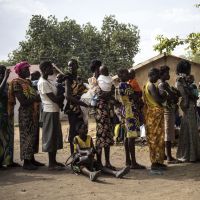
x=131 y=112
x=73 y=111
x=104 y=126
x=154 y=123
x=27 y=123
x=6 y=130
x=189 y=139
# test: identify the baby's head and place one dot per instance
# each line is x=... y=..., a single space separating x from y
x=132 y=73
x=60 y=78
x=35 y=76
x=123 y=74
x=190 y=79
x=104 y=71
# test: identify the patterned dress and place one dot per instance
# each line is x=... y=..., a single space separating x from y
x=27 y=116
x=130 y=111
x=154 y=123
x=6 y=130
x=73 y=111
x=103 y=116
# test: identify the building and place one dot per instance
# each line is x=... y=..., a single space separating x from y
x=162 y=59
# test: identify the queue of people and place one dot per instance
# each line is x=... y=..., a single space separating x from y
x=41 y=101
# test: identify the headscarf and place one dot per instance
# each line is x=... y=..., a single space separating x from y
x=20 y=66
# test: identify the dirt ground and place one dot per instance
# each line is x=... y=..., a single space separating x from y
x=179 y=182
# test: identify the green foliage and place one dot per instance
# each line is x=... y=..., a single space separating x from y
x=115 y=44
x=193 y=57
x=167 y=45
x=192 y=42
x=120 y=43
x=5 y=63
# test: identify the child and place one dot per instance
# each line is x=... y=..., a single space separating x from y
x=131 y=118
x=192 y=87
x=104 y=80
x=84 y=156
x=85 y=152
x=138 y=92
x=35 y=76
x=60 y=78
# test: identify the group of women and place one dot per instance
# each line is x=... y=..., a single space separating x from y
x=160 y=103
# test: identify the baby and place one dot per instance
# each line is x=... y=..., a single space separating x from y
x=60 y=89
x=105 y=81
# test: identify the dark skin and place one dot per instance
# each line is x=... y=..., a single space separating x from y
x=4 y=74
x=83 y=135
x=153 y=78
x=69 y=97
x=163 y=88
x=24 y=74
x=153 y=90
x=129 y=143
x=73 y=67
x=105 y=96
x=24 y=101
x=85 y=154
x=56 y=99
x=52 y=96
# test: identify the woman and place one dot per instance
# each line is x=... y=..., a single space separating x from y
x=75 y=89
x=154 y=121
x=22 y=89
x=6 y=126
x=129 y=99
x=51 y=130
x=170 y=94
x=104 y=135
x=189 y=139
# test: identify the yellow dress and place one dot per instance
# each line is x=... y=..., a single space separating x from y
x=82 y=144
x=154 y=123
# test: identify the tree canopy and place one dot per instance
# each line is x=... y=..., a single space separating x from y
x=115 y=43
x=192 y=42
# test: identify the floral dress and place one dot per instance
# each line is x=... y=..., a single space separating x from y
x=103 y=116
x=130 y=110
x=27 y=116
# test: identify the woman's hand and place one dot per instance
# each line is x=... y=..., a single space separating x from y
x=7 y=73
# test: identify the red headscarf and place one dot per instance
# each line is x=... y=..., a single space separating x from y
x=20 y=66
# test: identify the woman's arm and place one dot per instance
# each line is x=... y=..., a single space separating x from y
x=72 y=99
x=3 y=83
x=24 y=101
x=54 y=98
x=184 y=95
x=155 y=94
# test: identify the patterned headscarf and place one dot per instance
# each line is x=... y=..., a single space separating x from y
x=20 y=66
